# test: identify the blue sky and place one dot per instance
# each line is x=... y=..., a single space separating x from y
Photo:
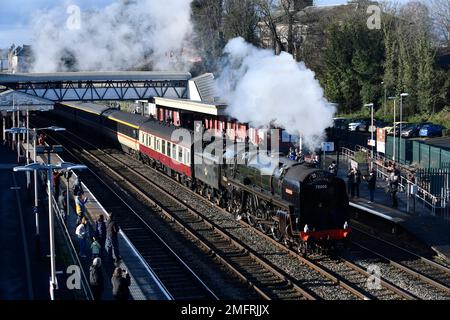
x=15 y=16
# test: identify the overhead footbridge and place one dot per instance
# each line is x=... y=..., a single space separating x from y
x=98 y=86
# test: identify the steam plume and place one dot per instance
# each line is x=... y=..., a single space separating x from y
x=264 y=89
x=120 y=36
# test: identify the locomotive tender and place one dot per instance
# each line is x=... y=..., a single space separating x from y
x=297 y=204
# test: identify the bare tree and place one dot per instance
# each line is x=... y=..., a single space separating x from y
x=440 y=13
x=240 y=19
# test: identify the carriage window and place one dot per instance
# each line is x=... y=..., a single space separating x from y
x=158 y=145
x=180 y=154
x=188 y=158
x=163 y=147
x=174 y=151
x=169 y=148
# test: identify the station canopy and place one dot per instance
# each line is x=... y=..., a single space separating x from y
x=12 y=100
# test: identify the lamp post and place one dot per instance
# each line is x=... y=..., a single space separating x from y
x=17 y=131
x=403 y=95
x=394 y=128
x=65 y=166
x=36 y=200
x=371 y=105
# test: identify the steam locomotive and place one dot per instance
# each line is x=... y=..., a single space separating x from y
x=297 y=204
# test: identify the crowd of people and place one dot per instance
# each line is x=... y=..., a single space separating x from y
x=103 y=244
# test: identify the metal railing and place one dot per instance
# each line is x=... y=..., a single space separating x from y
x=434 y=203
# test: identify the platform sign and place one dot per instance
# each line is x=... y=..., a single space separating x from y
x=381 y=140
x=327 y=146
x=371 y=143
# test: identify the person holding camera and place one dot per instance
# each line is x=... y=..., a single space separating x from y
x=120 y=282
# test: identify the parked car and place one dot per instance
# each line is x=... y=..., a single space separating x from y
x=411 y=130
x=341 y=123
x=390 y=129
x=431 y=130
x=359 y=125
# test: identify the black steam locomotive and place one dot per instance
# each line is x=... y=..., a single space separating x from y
x=295 y=203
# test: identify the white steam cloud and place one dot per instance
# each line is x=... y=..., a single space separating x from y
x=264 y=89
x=120 y=36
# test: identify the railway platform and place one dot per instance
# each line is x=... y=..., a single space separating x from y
x=24 y=267
x=144 y=283
x=416 y=218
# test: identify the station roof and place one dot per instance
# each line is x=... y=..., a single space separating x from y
x=95 y=76
x=210 y=108
x=12 y=99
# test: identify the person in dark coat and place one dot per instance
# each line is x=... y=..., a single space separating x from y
x=120 y=284
x=96 y=278
x=57 y=182
x=394 y=180
x=333 y=168
x=372 y=184
x=112 y=239
x=100 y=231
x=351 y=182
x=357 y=181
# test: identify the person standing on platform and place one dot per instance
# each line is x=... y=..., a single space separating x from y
x=333 y=168
x=351 y=182
x=95 y=248
x=394 y=180
x=57 y=182
x=77 y=186
x=100 y=232
x=62 y=203
x=80 y=206
x=96 y=278
x=357 y=181
x=372 y=184
x=82 y=233
x=120 y=284
x=112 y=238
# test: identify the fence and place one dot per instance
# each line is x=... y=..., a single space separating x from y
x=416 y=152
x=438 y=203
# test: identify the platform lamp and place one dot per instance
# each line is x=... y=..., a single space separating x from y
x=395 y=107
x=41 y=150
x=371 y=105
x=403 y=95
x=64 y=166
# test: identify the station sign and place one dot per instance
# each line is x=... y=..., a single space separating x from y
x=327 y=146
x=371 y=143
x=381 y=140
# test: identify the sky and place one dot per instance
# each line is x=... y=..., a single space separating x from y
x=15 y=16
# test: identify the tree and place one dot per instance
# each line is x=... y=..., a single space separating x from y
x=240 y=20
x=207 y=16
x=440 y=13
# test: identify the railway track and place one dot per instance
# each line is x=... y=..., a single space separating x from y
x=335 y=279
x=175 y=275
x=430 y=275
x=262 y=277
x=344 y=272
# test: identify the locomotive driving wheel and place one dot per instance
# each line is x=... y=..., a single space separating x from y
x=250 y=211
x=276 y=232
x=262 y=213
